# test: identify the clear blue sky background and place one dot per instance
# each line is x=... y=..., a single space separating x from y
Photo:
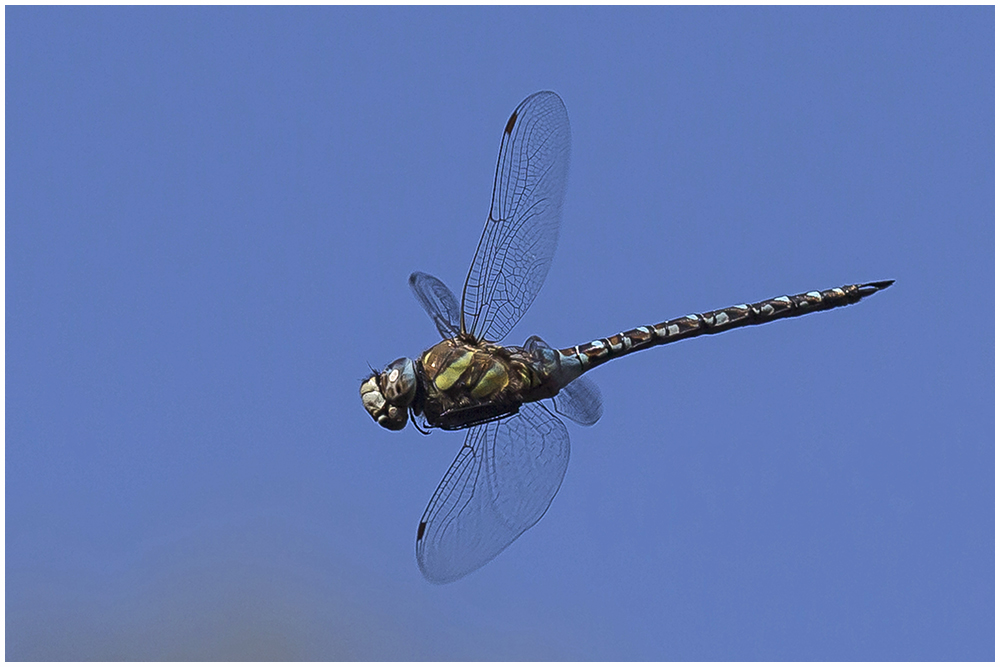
x=211 y=215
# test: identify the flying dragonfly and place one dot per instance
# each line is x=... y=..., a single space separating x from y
x=516 y=446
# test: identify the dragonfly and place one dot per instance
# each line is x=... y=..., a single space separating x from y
x=510 y=400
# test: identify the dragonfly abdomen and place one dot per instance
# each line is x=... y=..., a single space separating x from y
x=716 y=321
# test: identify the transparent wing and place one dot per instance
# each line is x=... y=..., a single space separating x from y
x=580 y=400
x=439 y=302
x=501 y=483
x=522 y=229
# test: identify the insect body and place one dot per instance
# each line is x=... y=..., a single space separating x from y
x=516 y=447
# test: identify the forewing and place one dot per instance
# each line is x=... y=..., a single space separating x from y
x=501 y=484
x=522 y=229
x=439 y=302
x=580 y=400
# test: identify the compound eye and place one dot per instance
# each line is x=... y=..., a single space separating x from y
x=399 y=382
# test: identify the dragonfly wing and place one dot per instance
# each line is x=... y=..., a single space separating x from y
x=501 y=484
x=522 y=229
x=580 y=400
x=439 y=302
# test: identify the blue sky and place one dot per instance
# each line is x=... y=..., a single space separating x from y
x=211 y=215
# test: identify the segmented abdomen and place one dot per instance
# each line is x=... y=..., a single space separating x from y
x=597 y=352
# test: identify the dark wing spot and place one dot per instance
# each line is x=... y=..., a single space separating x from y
x=420 y=530
x=510 y=123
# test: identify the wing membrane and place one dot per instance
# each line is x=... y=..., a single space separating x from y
x=519 y=240
x=580 y=400
x=501 y=484
x=438 y=301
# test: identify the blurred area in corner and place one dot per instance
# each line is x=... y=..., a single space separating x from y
x=218 y=593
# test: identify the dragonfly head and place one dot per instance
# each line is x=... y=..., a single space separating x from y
x=387 y=395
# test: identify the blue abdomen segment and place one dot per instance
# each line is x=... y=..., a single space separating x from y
x=590 y=355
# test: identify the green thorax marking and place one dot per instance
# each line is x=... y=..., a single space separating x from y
x=477 y=373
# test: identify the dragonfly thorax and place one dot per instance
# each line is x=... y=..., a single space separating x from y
x=466 y=383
